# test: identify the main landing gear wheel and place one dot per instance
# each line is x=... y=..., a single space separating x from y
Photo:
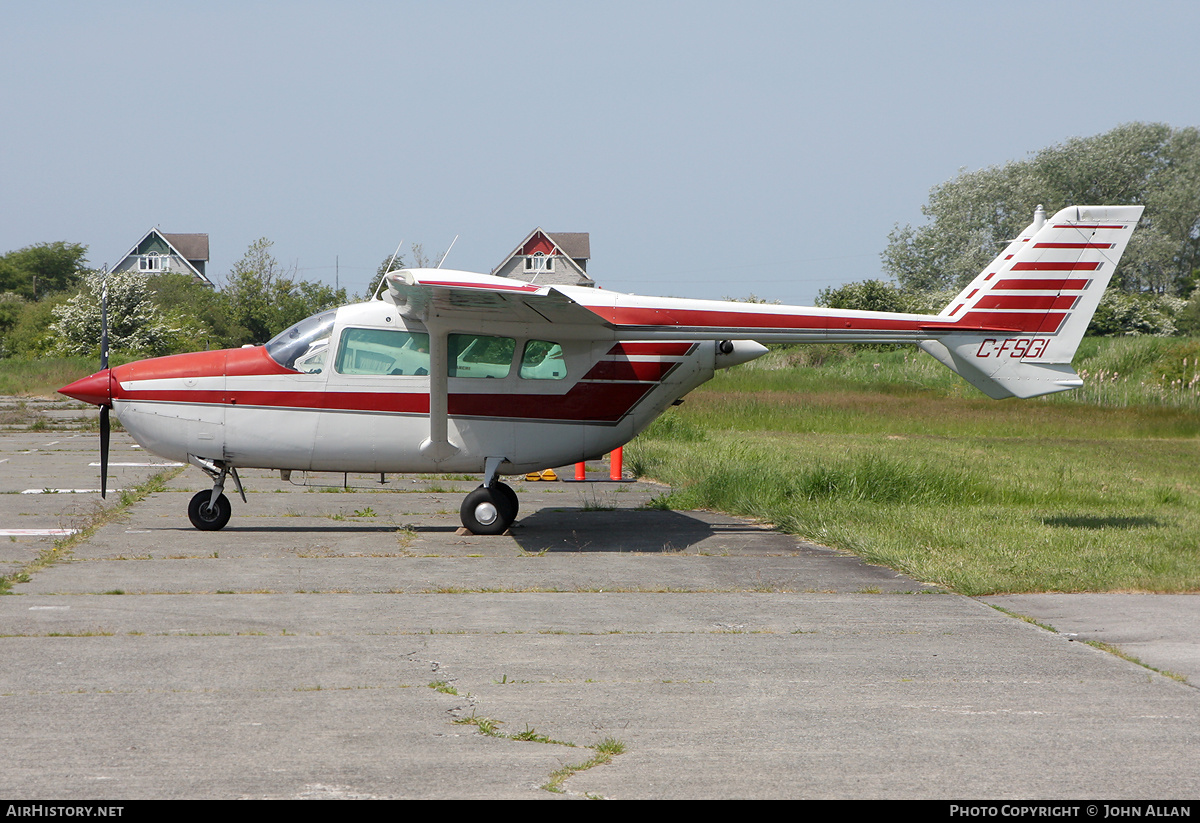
x=206 y=517
x=514 y=505
x=489 y=510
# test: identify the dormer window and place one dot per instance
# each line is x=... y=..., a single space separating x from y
x=539 y=262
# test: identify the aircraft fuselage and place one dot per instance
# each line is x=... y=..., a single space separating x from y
x=365 y=407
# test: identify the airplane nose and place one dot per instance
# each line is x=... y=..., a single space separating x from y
x=95 y=389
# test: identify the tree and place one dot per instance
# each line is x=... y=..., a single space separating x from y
x=201 y=312
x=264 y=299
x=388 y=264
x=974 y=215
x=419 y=261
x=1188 y=320
x=135 y=325
x=28 y=333
x=868 y=295
x=41 y=269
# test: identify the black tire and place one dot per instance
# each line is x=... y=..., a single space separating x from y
x=485 y=511
x=209 y=518
x=510 y=497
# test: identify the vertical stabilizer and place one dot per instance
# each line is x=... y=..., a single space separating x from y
x=1022 y=318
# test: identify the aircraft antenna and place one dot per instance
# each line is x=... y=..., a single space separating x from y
x=446 y=253
x=388 y=270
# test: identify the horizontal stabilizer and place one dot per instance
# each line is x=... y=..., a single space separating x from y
x=1016 y=379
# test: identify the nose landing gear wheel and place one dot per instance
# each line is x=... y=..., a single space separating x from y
x=206 y=517
x=489 y=511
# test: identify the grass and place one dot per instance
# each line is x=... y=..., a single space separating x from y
x=908 y=467
x=606 y=750
x=43 y=376
x=61 y=549
x=1113 y=650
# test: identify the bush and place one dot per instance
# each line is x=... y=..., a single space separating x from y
x=1121 y=313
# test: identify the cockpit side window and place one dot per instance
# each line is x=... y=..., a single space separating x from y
x=302 y=347
x=383 y=351
x=480 y=355
x=543 y=360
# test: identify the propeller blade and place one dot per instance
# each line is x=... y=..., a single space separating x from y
x=104 y=451
x=104 y=320
x=103 y=366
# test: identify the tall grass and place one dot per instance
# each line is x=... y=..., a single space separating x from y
x=881 y=454
x=42 y=376
x=1117 y=372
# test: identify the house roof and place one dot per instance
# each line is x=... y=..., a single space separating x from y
x=573 y=245
x=195 y=247
x=190 y=246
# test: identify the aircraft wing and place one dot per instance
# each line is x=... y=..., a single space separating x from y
x=450 y=297
x=475 y=297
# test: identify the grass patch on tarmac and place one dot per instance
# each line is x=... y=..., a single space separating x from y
x=1113 y=650
x=912 y=469
x=605 y=750
x=61 y=549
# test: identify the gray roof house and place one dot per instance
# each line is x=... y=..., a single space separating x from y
x=159 y=252
x=558 y=259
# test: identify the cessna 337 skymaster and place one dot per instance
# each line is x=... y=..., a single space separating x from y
x=460 y=372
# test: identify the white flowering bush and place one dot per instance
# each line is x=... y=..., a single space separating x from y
x=1122 y=313
x=135 y=325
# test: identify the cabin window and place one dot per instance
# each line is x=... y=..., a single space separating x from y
x=303 y=346
x=478 y=355
x=543 y=360
x=383 y=351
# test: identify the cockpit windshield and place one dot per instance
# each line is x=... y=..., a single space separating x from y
x=302 y=347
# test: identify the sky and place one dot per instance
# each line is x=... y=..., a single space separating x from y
x=711 y=149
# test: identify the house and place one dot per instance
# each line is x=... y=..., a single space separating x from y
x=558 y=259
x=158 y=252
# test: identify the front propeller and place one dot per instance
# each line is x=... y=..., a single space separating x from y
x=97 y=388
x=104 y=451
x=104 y=368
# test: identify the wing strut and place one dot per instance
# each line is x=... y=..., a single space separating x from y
x=437 y=446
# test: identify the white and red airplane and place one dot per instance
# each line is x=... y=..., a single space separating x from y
x=458 y=372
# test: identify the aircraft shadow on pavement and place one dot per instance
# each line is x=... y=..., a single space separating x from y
x=585 y=530
x=340 y=529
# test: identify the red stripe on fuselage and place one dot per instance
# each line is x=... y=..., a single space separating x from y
x=1073 y=245
x=653 y=371
x=662 y=349
x=605 y=402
